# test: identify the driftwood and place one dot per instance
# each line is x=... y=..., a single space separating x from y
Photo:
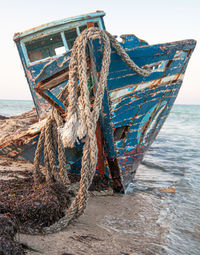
x=16 y=126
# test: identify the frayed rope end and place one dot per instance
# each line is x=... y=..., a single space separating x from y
x=69 y=131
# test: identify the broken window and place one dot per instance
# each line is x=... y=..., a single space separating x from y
x=52 y=45
x=70 y=36
x=45 y=47
x=82 y=28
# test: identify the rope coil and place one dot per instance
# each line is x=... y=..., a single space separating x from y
x=81 y=120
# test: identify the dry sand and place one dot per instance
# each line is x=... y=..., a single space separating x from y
x=117 y=224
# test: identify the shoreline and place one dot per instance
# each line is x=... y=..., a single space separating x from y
x=112 y=224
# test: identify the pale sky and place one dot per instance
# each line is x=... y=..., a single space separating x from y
x=155 y=21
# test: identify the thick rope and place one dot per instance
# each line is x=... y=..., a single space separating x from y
x=81 y=120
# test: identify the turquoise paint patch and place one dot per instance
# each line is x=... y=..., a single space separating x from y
x=153 y=122
x=143 y=122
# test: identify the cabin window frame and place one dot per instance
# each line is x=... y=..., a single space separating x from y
x=61 y=29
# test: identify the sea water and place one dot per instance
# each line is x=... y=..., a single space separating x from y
x=172 y=160
x=15 y=107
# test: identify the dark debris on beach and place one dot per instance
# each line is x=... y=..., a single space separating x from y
x=23 y=203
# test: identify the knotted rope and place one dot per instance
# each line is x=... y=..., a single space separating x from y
x=81 y=120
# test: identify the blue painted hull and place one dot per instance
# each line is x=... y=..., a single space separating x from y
x=134 y=107
x=140 y=105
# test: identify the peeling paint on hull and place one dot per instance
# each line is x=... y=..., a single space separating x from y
x=134 y=107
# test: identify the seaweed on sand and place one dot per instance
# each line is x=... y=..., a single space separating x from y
x=8 y=229
x=23 y=203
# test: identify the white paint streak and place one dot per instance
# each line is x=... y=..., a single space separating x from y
x=136 y=87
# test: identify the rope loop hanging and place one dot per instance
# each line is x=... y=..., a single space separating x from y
x=80 y=121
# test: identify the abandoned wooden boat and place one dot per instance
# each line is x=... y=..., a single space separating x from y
x=134 y=107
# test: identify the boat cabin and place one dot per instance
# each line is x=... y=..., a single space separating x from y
x=50 y=43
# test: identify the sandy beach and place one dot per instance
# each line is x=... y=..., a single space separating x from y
x=160 y=216
x=112 y=224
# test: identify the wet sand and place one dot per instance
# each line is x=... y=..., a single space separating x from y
x=114 y=224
